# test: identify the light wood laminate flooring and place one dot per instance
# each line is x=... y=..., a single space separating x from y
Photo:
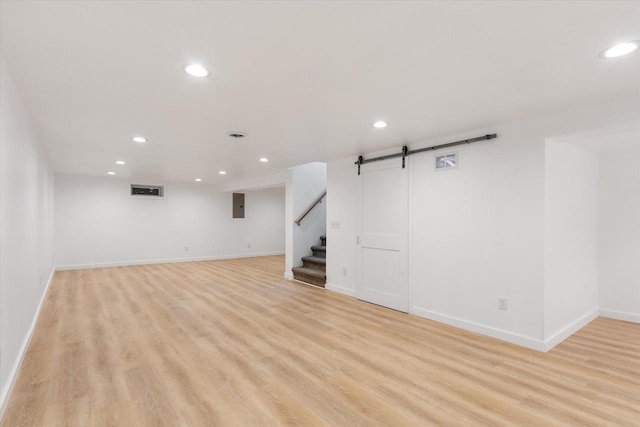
x=233 y=343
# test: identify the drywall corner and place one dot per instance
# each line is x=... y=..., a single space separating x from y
x=5 y=393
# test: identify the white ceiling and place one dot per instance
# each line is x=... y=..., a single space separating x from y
x=305 y=80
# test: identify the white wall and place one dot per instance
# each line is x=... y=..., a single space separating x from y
x=303 y=185
x=98 y=223
x=477 y=232
x=571 y=235
x=341 y=226
x=26 y=228
x=619 y=235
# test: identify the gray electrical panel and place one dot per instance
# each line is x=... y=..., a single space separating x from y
x=238 y=205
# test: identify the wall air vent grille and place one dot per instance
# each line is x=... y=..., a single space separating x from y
x=237 y=135
x=147 y=190
x=448 y=161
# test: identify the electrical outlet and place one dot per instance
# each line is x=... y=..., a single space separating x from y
x=186 y=248
x=503 y=303
x=248 y=245
x=344 y=271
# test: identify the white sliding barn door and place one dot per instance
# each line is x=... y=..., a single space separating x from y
x=383 y=224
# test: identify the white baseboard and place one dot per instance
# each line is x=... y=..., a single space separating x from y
x=288 y=275
x=164 y=261
x=500 y=334
x=620 y=315
x=570 y=329
x=341 y=289
x=521 y=340
x=15 y=369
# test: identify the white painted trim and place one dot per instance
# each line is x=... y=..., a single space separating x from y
x=570 y=329
x=620 y=315
x=513 y=338
x=165 y=261
x=500 y=334
x=341 y=289
x=13 y=373
x=413 y=287
x=288 y=275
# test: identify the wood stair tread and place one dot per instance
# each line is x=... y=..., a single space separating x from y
x=315 y=259
x=314 y=267
x=310 y=272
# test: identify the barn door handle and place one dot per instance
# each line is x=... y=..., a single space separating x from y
x=358 y=240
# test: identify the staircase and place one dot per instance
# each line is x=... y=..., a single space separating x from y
x=314 y=268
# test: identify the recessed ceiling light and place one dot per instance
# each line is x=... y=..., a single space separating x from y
x=111 y=173
x=196 y=70
x=139 y=139
x=222 y=172
x=198 y=179
x=380 y=124
x=620 y=49
x=264 y=159
x=120 y=162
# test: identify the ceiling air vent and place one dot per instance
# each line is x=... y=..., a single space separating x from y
x=237 y=135
x=147 y=190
